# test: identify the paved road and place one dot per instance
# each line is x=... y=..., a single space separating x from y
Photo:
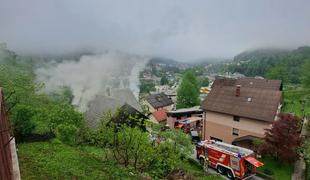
x=213 y=171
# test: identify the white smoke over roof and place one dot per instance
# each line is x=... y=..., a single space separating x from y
x=93 y=74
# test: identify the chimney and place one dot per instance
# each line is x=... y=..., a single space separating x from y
x=238 y=88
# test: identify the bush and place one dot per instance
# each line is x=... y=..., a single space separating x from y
x=64 y=114
x=66 y=133
x=23 y=125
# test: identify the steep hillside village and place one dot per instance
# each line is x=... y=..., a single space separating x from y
x=233 y=108
x=229 y=108
x=154 y=90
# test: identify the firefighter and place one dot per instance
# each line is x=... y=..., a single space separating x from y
x=206 y=164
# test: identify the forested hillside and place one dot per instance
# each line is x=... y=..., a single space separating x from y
x=289 y=66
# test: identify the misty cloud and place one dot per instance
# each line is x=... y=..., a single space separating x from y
x=92 y=75
x=171 y=28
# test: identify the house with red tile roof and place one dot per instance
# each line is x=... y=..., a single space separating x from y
x=159 y=116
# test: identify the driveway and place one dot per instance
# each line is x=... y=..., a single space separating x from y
x=213 y=171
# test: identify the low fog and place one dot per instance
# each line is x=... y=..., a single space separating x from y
x=181 y=30
x=92 y=75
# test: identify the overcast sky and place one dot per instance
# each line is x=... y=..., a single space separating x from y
x=177 y=29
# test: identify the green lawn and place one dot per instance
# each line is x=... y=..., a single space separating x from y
x=46 y=160
x=279 y=170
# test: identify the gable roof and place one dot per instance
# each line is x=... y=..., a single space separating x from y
x=130 y=116
x=101 y=104
x=159 y=100
x=160 y=115
x=249 y=82
x=127 y=96
x=258 y=101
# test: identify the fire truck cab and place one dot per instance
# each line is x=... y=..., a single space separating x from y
x=236 y=162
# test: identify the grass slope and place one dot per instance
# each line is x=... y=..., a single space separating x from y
x=292 y=97
x=46 y=160
x=52 y=160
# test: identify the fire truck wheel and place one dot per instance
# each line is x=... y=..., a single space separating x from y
x=230 y=174
x=220 y=169
x=201 y=161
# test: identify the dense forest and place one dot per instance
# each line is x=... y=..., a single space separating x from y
x=289 y=66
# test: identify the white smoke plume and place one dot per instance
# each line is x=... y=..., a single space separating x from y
x=93 y=74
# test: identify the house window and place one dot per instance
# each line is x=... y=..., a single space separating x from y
x=236 y=118
x=235 y=132
x=216 y=139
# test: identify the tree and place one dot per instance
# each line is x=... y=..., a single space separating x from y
x=64 y=114
x=278 y=72
x=204 y=82
x=182 y=141
x=174 y=148
x=283 y=140
x=164 y=80
x=188 y=92
x=127 y=146
x=133 y=147
x=146 y=86
x=190 y=76
x=66 y=133
x=306 y=74
x=23 y=123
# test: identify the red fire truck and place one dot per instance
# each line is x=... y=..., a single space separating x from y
x=236 y=162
